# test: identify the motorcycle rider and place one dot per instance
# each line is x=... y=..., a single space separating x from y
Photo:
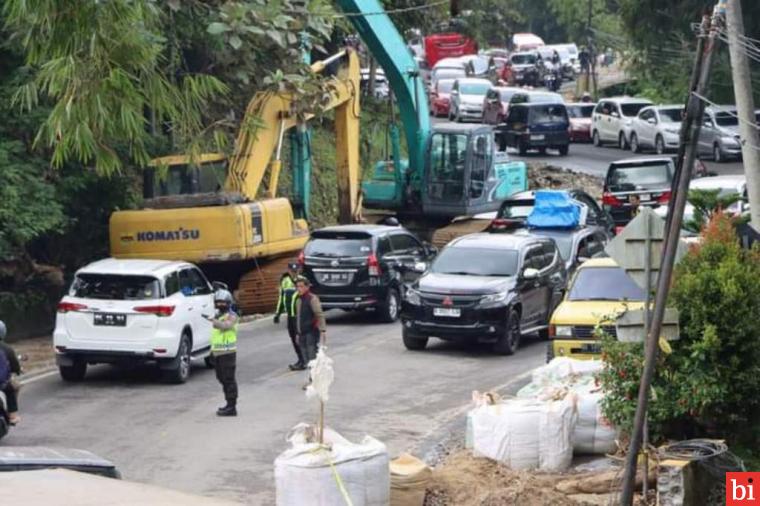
x=286 y=304
x=224 y=349
x=586 y=98
x=9 y=364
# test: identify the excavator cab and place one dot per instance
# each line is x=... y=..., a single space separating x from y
x=175 y=178
x=465 y=174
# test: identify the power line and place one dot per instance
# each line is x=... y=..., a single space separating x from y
x=729 y=113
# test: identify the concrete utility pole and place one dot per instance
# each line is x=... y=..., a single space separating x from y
x=687 y=153
x=745 y=106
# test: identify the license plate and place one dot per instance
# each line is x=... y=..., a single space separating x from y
x=110 y=319
x=591 y=348
x=449 y=312
x=536 y=137
x=643 y=197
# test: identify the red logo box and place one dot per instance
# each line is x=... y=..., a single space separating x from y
x=742 y=489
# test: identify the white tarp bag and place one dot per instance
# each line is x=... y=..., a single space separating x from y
x=562 y=376
x=525 y=433
x=338 y=473
x=322 y=375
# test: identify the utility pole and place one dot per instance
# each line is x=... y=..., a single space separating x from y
x=687 y=152
x=745 y=106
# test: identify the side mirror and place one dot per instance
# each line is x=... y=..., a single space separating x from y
x=218 y=285
x=530 y=273
x=652 y=121
x=430 y=249
x=420 y=267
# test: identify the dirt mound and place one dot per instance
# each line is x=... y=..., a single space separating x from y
x=465 y=480
x=553 y=177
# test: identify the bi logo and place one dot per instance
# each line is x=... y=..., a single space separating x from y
x=742 y=489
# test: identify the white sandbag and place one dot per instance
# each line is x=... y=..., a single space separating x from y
x=593 y=433
x=525 y=433
x=561 y=369
x=308 y=473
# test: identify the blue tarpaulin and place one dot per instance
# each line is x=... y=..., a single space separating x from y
x=554 y=209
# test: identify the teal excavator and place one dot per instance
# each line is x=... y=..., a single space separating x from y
x=453 y=170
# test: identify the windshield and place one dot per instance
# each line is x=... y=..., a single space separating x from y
x=725 y=119
x=490 y=262
x=580 y=111
x=444 y=86
x=523 y=59
x=448 y=153
x=674 y=115
x=448 y=73
x=506 y=95
x=564 y=242
x=604 y=283
x=474 y=88
x=115 y=287
x=548 y=114
x=642 y=177
x=184 y=179
x=545 y=97
x=338 y=246
x=632 y=109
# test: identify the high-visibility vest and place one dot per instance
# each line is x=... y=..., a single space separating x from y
x=287 y=294
x=224 y=340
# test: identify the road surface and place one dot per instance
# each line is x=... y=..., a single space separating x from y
x=169 y=435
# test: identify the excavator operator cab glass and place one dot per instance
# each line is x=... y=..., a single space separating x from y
x=164 y=180
x=448 y=162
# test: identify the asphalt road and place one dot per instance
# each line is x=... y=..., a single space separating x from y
x=168 y=435
x=586 y=158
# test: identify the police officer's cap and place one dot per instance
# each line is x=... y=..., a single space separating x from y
x=293 y=266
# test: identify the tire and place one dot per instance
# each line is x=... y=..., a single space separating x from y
x=389 y=310
x=549 y=352
x=73 y=373
x=523 y=149
x=564 y=150
x=596 y=139
x=180 y=371
x=542 y=151
x=509 y=341
x=622 y=143
x=413 y=343
x=635 y=146
x=718 y=154
x=543 y=334
x=659 y=145
x=209 y=361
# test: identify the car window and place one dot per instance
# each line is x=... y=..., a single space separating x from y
x=171 y=284
x=115 y=287
x=490 y=262
x=725 y=119
x=596 y=244
x=604 y=283
x=383 y=246
x=519 y=98
x=563 y=241
x=580 y=111
x=672 y=115
x=632 y=110
x=534 y=258
x=640 y=177
x=645 y=115
x=199 y=283
x=334 y=245
x=518 y=115
x=444 y=86
x=448 y=152
x=548 y=114
x=606 y=108
x=593 y=209
x=405 y=243
x=482 y=150
x=516 y=208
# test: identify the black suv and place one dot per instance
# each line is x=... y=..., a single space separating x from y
x=364 y=266
x=636 y=182
x=535 y=126
x=488 y=287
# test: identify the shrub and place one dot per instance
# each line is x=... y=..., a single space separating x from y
x=708 y=385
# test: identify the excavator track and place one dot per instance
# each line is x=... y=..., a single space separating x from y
x=442 y=236
x=259 y=288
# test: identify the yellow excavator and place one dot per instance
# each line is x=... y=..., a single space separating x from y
x=218 y=214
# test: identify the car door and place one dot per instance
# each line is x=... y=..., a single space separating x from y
x=604 y=122
x=454 y=98
x=407 y=252
x=645 y=127
x=706 y=135
x=198 y=302
x=530 y=289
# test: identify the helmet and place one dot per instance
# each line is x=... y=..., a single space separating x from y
x=3 y=330
x=293 y=266
x=223 y=296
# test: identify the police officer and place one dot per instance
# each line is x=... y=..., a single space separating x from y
x=287 y=304
x=224 y=349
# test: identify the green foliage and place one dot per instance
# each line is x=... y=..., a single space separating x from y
x=709 y=381
x=706 y=204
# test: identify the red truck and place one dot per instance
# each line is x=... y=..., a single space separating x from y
x=447 y=45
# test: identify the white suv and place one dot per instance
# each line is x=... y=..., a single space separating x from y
x=122 y=311
x=613 y=118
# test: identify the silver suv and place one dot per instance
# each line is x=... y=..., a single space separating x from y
x=657 y=127
x=719 y=136
x=613 y=118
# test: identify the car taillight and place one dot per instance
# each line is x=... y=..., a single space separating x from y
x=65 y=307
x=373 y=265
x=155 y=310
x=552 y=330
x=504 y=224
x=609 y=199
x=664 y=198
x=301 y=258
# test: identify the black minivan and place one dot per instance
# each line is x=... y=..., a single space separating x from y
x=364 y=266
x=535 y=126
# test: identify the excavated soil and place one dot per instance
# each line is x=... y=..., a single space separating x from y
x=541 y=176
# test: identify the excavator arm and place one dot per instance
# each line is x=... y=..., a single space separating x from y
x=269 y=116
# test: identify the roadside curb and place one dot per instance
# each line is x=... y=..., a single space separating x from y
x=37 y=374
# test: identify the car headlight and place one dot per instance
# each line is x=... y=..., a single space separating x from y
x=494 y=299
x=563 y=331
x=673 y=131
x=413 y=297
x=628 y=122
